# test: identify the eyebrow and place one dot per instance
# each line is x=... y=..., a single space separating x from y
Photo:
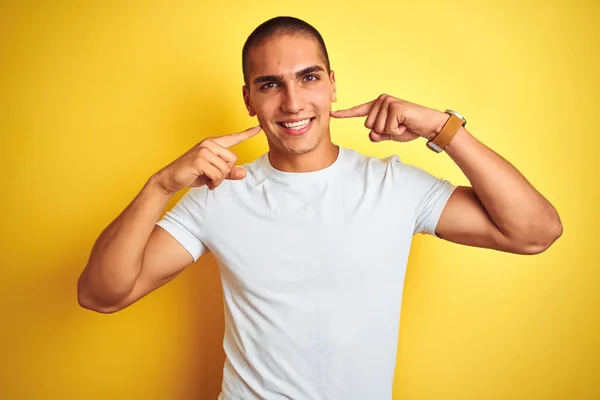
x=279 y=78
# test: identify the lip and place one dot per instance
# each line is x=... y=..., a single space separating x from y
x=294 y=120
x=295 y=132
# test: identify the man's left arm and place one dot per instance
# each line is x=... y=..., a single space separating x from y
x=501 y=210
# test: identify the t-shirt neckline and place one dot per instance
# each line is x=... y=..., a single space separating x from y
x=311 y=176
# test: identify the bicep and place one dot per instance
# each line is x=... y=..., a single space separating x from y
x=464 y=220
x=164 y=258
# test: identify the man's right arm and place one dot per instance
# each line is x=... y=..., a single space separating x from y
x=133 y=255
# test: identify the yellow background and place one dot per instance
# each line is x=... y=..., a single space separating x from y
x=97 y=96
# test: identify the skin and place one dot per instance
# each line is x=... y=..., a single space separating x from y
x=501 y=210
x=288 y=81
x=133 y=256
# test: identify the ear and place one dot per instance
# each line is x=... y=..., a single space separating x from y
x=333 y=88
x=247 y=102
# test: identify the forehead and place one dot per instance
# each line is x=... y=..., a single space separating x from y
x=284 y=54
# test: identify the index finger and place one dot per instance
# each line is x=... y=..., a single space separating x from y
x=356 y=111
x=235 y=138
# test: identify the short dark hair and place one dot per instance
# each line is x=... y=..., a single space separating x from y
x=281 y=26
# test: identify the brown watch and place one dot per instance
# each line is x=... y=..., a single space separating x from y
x=439 y=143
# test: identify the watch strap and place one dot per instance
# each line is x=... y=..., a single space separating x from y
x=452 y=125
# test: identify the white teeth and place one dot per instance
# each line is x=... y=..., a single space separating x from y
x=296 y=125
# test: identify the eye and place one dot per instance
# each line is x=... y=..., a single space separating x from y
x=311 y=77
x=268 y=85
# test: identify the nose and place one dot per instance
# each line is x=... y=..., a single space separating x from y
x=292 y=102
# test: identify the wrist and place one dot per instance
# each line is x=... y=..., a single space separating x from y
x=440 y=121
x=446 y=126
x=155 y=185
x=462 y=136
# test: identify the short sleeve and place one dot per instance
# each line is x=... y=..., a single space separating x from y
x=434 y=196
x=425 y=194
x=185 y=221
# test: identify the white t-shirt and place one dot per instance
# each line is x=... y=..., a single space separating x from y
x=312 y=268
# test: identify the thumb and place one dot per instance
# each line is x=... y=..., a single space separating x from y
x=200 y=181
x=236 y=173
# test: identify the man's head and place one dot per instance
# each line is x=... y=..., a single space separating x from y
x=282 y=26
x=289 y=84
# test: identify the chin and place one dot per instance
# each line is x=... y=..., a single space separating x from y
x=300 y=146
x=295 y=146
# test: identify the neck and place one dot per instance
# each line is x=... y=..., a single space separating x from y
x=319 y=158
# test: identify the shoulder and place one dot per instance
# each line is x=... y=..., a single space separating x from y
x=390 y=169
x=390 y=165
x=255 y=169
x=255 y=176
x=356 y=158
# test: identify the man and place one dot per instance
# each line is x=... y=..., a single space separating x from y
x=311 y=239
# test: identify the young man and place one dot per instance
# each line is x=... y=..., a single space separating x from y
x=311 y=239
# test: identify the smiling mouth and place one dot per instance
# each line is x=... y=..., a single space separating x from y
x=296 y=125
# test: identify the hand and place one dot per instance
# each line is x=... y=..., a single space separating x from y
x=390 y=118
x=207 y=163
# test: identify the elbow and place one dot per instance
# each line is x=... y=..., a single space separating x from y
x=544 y=240
x=88 y=302
x=93 y=306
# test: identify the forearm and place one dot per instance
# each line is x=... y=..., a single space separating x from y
x=519 y=211
x=116 y=257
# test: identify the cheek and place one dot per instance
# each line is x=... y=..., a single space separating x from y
x=322 y=99
x=265 y=115
x=264 y=109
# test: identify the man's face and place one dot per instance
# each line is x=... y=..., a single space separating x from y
x=290 y=92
